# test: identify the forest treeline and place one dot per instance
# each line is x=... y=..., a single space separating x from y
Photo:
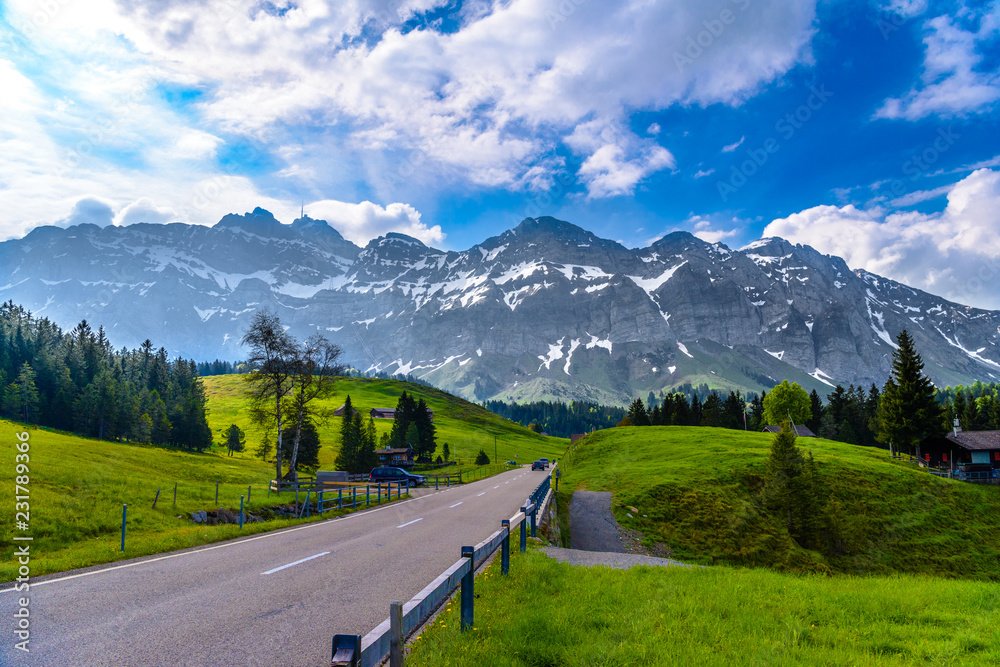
x=76 y=381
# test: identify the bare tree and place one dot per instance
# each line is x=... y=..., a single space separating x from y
x=271 y=365
x=317 y=363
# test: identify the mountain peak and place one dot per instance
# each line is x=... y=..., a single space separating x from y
x=549 y=226
x=256 y=221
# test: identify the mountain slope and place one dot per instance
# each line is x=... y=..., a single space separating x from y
x=544 y=310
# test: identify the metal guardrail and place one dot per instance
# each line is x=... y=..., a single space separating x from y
x=330 y=500
x=386 y=639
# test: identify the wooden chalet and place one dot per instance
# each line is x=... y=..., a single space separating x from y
x=390 y=413
x=395 y=456
x=339 y=412
x=971 y=456
x=801 y=430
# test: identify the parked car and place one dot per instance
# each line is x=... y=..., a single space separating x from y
x=513 y=463
x=389 y=474
x=538 y=465
x=545 y=462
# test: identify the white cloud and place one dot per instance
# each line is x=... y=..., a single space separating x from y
x=653 y=129
x=362 y=222
x=144 y=209
x=733 y=146
x=956 y=77
x=954 y=253
x=617 y=160
x=702 y=173
x=702 y=228
x=89 y=211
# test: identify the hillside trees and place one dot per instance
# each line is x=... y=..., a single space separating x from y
x=76 y=381
x=315 y=365
x=236 y=440
x=412 y=426
x=908 y=411
x=357 y=442
x=787 y=401
x=793 y=488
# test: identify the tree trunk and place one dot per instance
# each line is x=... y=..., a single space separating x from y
x=277 y=453
x=298 y=436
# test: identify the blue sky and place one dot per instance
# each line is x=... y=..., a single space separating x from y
x=866 y=129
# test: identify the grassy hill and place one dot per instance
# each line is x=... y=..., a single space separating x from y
x=466 y=427
x=697 y=492
x=78 y=485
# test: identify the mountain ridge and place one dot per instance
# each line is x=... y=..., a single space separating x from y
x=544 y=310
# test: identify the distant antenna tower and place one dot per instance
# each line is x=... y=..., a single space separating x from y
x=303 y=214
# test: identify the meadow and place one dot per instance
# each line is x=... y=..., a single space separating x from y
x=546 y=613
x=910 y=577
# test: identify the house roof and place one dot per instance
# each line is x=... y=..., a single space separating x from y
x=800 y=430
x=394 y=450
x=976 y=440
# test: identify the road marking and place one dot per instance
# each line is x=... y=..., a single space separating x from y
x=506 y=482
x=278 y=569
x=410 y=522
x=226 y=545
x=456 y=504
x=480 y=494
x=497 y=486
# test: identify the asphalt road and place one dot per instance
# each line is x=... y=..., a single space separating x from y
x=273 y=599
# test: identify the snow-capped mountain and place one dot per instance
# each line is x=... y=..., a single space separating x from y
x=544 y=310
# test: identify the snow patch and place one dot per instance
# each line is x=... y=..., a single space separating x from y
x=680 y=346
x=597 y=342
x=825 y=379
x=776 y=355
x=650 y=285
x=555 y=352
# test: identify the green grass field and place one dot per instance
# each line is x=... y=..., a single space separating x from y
x=77 y=485
x=901 y=589
x=695 y=492
x=466 y=427
x=546 y=613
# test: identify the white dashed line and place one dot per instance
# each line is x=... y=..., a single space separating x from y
x=457 y=504
x=410 y=522
x=480 y=494
x=497 y=486
x=278 y=569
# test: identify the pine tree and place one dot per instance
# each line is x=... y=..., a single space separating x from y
x=637 y=413
x=446 y=451
x=235 y=439
x=482 y=459
x=816 y=406
x=908 y=411
x=350 y=444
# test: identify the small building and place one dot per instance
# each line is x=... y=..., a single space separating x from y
x=971 y=456
x=395 y=456
x=801 y=430
x=390 y=413
x=339 y=412
x=573 y=437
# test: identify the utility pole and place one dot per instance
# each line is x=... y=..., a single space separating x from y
x=494 y=448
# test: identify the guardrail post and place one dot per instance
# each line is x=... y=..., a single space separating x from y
x=368 y=495
x=378 y=492
x=124 y=513
x=436 y=480
x=468 y=595
x=340 y=499
x=319 y=502
x=505 y=548
x=241 y=512
x=534 y=521
x=354 y=497
x=396 y=634
x=524 y=528
x=307 y=504
x=346 y=651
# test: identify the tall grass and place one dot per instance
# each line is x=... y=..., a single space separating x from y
x=550 y=613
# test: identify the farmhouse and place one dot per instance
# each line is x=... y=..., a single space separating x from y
x=395 y=456
x=800 y=430
x=390 y=413
x=973 y=456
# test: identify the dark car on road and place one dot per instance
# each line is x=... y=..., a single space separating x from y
x=538 y=465
x=545 y=462
x=389 y=474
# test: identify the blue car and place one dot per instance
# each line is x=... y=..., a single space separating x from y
x=389 y=474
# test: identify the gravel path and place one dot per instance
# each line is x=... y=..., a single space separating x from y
x=618 y=561
x=592 y=526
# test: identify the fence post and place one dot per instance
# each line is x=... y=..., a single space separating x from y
x=468 y=596
x=249 y=489
x=524 y=527
x=156 y=498
x=505 y=548
x=340 y=499
x=395 y=634
x=175 y=494
x=216 y=493
x=354 y=497
x=241 y=512
x=378 y=492
x=436 y=480
x=319 y=502
x=124 y=513
x=306 y=510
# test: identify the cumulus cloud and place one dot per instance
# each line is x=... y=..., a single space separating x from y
x=954 y=253
x=704 y=229
x=729 y=148
x=362 y=222
x=89 y=211
x=956 y=78
x=144 y=209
